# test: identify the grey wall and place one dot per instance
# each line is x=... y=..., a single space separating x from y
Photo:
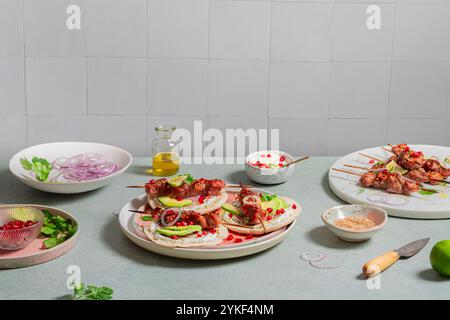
x=310 y=68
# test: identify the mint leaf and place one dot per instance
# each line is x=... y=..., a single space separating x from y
x=47 y=231
x=51 y=242
x=146 y=218
x=91 y=292
x=41 y=168
x=189 y=179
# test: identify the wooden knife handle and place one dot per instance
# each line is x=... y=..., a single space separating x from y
x=381 y=263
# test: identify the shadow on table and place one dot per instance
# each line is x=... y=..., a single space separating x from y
x=323 y=237
x=115 y=239
x=14 y=191
x=431 y=275
x=326 y=188
x=237 y=177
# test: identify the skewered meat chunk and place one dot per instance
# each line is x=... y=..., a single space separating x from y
x=206 y=221
x=367 y=179
x=251 y=206
x=394 y=184
x=411 y=160
x=400 y=148
x=419 y=175
x=391 y=182
x=199 y=187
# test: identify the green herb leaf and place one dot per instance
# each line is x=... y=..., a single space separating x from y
x=267 y=197
x=189 y=179
x=27 y=165
x=57 y=229
x=47 y=231
x=147 y=218
x=91 y=292
x=428 y=192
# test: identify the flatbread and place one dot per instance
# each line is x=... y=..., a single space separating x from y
x=211 y=204
x=186 y=241
x=278 y=222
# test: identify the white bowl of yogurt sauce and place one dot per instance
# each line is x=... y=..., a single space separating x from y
x=265 y=166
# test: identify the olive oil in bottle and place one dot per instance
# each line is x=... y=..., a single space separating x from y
x=165 y=164
x=166 y=155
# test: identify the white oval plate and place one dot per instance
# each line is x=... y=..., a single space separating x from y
x=32 y=254
x=416 y=206
x=126 y=221
x=54 y=150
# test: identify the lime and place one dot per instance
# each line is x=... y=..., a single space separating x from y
x=440 y=257
x=393 y=167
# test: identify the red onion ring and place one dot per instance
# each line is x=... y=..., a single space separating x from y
x=169 y=211
x=83 y=167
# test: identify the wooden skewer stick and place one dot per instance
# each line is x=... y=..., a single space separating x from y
x=235 y=225
x=386 y=149
x=347 y=171
x=371 y=157
x=263 y=225
x=295 y=161
x=139 y=211
x=357 y=167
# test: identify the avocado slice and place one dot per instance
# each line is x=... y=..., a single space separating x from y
x=231 y=209
x=274 y=204
x=282 y=203
x=177 y=231
x=174 y=203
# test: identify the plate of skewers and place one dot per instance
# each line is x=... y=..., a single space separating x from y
x=409 y=181
x=206 y=219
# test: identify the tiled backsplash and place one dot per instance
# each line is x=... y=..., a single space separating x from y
x=310 y=68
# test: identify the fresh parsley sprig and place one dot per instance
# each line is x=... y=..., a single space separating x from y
x=57 y=229
x=89 y=292
x=40 y=166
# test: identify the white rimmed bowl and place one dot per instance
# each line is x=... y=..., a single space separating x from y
x=374 y=213
x=54 y=150
x=271 y=175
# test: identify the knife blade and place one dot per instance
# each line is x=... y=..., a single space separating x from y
x=381 y=263
x=412 y=248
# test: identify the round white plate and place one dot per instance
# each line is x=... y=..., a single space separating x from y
x=126 y=221
x=52 y=151
x=417 y=205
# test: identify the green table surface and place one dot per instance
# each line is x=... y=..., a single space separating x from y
x=106 y=257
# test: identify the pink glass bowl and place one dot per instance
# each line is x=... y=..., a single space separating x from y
x=15 y=239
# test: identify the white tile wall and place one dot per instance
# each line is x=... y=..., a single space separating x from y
x=310 y=68
x=117 y=86
x=12 y=86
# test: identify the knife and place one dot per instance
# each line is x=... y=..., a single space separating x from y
x=381 y=263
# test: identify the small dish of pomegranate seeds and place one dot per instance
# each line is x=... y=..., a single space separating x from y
x=19 y=227
x=266 y=167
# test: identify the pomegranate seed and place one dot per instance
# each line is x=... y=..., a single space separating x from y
x=278 y=211
x=281 y=164
x=174 y=237
x=151 y=181
x=201 y=199
x=195 y=232
x=269 y=218
x=269 y=210
x=199 y=235
x=179 y=199
x=191 y=223
x=372 y=161
x=238 y=240
x=204 y=233
x=282 y=158
x=294 y=206
x=183 y=224
x=178 y=224
x=269 y=155
x=230 y=215
x=282 y=210
x=249 y=236
x=230 y=237
x=213 y=231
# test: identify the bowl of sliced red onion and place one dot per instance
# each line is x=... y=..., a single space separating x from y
x=69 y=167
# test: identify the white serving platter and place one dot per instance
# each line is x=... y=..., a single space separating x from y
x=54 y=150
x=417 y=205
x=126 y=221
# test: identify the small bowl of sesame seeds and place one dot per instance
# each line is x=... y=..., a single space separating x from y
x=268 y=167
x=355 y=223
